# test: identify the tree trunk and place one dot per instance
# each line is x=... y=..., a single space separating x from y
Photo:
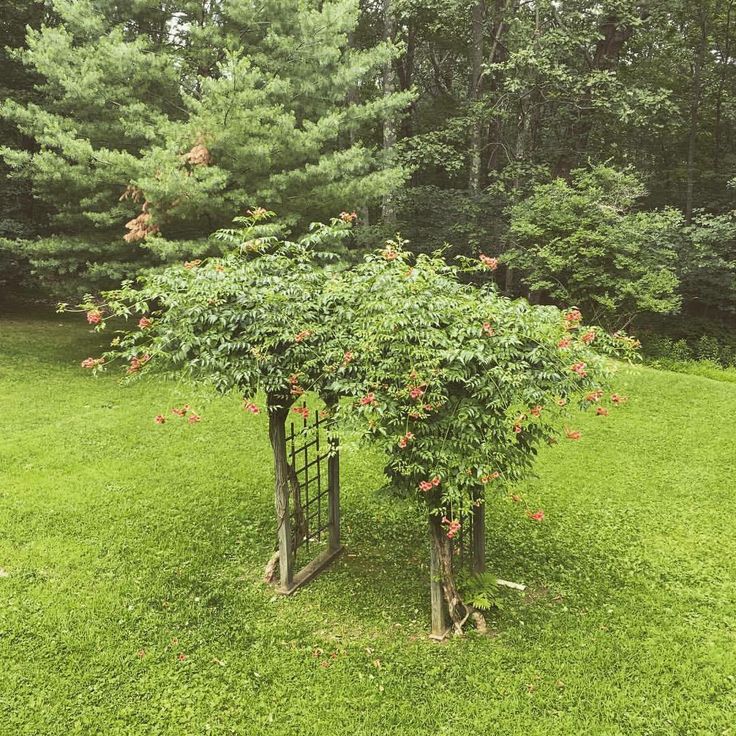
x=441 y=558
x=694 y=116
x=353 y=98
x=388 y=210
x=520 y=152
x=508 y=286
x=474 y=93
x=440 y=619
x=725 y=61
x=479 y=136
x=278 y=409
x=406 y=80
x=614 y=35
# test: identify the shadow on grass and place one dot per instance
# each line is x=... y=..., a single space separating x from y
x=383 y=577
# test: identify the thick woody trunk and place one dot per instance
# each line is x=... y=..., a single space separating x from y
x=278 y=409
x=479 y=536
x=440 y=618
x=405 y=77
x=479 y=130
x=614 y=35
x=446 y=599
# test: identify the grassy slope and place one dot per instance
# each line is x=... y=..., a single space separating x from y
x=120 y=535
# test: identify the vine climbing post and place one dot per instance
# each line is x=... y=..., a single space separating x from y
x=439 y=614
x=278 y=407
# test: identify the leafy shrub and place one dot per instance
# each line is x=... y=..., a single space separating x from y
x=707 y=262
x=728 y=355
x=716 y=349
x=704 y=368
x=656 y=346
x=707 y=348
x=458 y=385
x=706 y=356
x=680 y=350
x=581 y=242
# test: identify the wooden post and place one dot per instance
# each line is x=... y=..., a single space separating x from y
x=478 y=561
x=440 y=618
x=333 y=494
x=278 y=408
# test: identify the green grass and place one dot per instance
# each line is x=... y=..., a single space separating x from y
x=704 y=368
x=118 y=535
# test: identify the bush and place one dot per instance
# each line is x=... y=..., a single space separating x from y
x=582 y=242
x=680 y=351
x=707 y=263
x=717 y=349
x=704 y=368
x=456 y=384
x=656 y=345
x=707 y=348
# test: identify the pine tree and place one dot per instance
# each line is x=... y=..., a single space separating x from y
x=18 y=217
x=175 y=117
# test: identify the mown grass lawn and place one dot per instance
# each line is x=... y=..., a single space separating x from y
x=121 y=538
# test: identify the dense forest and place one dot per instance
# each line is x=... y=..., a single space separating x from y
x=589 y=146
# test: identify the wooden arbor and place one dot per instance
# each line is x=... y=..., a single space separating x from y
x=307 y=500
x=307 y=495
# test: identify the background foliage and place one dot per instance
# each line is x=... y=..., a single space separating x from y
x=448 y=121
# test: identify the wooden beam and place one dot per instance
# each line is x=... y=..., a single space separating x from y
x=333 y=496
x=311 y=570
x=478 y=561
